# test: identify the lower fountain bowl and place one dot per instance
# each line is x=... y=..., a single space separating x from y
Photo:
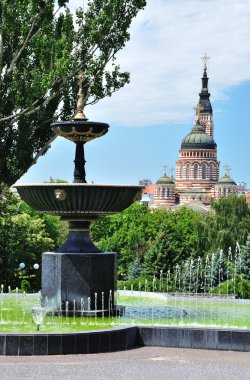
x=76 y=200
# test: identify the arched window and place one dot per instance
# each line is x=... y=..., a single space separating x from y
x=196 y=170
x=211 y=171
x=181 y=171
x=187 y=171
x=204 y=171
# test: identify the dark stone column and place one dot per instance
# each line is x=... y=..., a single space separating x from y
x=78 y=240
x=79 y=172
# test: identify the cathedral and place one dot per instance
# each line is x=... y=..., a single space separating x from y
x=197 y=180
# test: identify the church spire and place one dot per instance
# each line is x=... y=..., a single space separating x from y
x=204 y=79
x=204 y=94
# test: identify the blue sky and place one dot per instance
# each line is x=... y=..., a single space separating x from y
x=150 y=116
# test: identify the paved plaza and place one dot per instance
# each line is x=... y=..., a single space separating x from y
x=146 y=363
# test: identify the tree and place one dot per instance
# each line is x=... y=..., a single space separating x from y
x=159 y=238
x=244 y=258
x=176 y=241
x=41 y=51
x=129 y=233
x=24 y=235
x=229 y=224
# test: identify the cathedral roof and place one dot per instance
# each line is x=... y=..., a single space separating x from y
x=198 y=139
x=165 y=180
x=226 y=180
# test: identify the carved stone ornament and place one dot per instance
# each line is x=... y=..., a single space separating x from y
x=60 y=194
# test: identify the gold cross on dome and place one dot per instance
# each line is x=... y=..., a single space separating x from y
x=165 y=170
x=227 y=170
x=205 y=59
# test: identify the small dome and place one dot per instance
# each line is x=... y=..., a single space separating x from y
x=226 y=180
x=165 y=180
x=198 y=139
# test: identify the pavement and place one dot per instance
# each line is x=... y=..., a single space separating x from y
x=145 y=363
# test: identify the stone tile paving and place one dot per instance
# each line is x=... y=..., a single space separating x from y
x=146 y=363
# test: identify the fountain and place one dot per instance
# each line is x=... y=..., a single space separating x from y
x=78 y=270
x=79 y=281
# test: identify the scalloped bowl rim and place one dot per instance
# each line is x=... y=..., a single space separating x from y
x=45 y=184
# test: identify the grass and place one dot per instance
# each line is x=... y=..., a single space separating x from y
x=15 y=315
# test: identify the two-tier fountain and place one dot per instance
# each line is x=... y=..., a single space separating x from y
x=78 y=273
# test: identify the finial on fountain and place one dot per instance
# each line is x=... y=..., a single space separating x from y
x=79 y=115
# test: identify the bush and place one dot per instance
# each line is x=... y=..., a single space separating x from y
x=25 y=286
x=240 y=287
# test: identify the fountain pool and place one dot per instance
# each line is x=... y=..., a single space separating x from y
x=152 y=319
x=21 y=313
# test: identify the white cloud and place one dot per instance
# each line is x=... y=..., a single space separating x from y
x=163 y=56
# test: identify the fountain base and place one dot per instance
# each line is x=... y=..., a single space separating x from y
x=84 y=282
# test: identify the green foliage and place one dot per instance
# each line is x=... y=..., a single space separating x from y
x=240 y=287
x=41 y=50
x=55 y=180
x=245 y=259
x=129 y=233
x=134 y=269
x=229 y=224
x=149 y=241
x=25 y=286
x=177 y=240
x=24 y=235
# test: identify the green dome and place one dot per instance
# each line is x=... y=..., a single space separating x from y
x=165 y=180
x=226 y=180
x=198 y=139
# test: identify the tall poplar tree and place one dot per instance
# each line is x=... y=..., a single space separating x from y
x=42 y=47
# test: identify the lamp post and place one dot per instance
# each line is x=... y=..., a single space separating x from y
x=25 y=276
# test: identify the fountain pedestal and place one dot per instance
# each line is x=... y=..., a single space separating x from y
x=79 y=269
x=87 y=281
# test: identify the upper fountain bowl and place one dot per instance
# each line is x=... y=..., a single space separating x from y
x=80 y=130
x=79 y=200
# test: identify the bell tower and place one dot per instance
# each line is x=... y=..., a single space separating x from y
x=206 y=114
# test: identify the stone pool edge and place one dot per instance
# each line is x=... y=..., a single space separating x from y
x=123 y=338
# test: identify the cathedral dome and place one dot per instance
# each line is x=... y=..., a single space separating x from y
x=165 y=180
x=198 y=139
x=226 y=180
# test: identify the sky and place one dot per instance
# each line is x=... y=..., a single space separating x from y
x=149 y=117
